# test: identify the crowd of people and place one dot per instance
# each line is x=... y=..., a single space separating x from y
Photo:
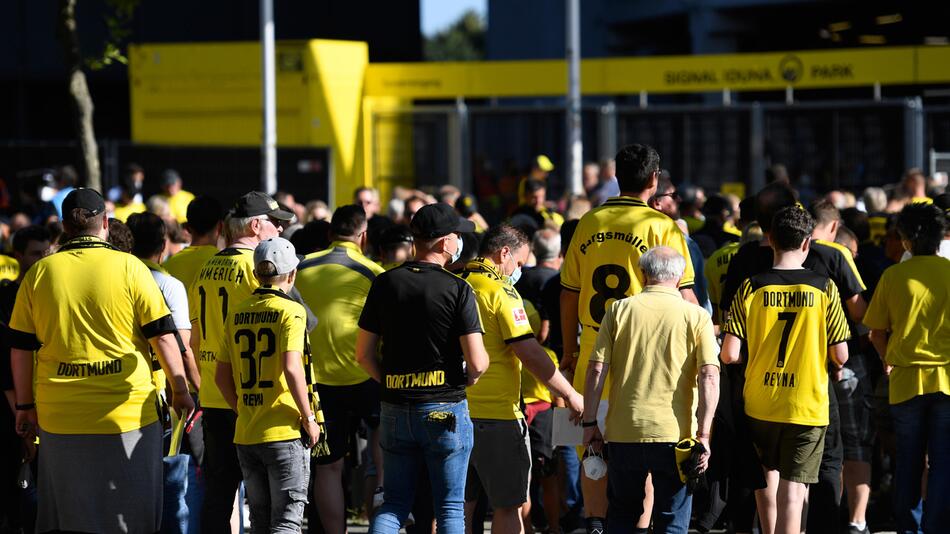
x=772 y=364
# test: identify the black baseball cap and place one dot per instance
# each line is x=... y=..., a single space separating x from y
x=437 y=220
x=84 y=198
x=256 y=203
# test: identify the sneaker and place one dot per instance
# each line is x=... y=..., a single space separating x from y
x=378 y=498
x=853 y=529
x=410 y=520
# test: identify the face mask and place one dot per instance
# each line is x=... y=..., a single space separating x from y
x=594 y=466
x=515 y=275
x=458 y=252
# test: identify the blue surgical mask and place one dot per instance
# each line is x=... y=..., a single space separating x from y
x=515 y=276
x=458 y=253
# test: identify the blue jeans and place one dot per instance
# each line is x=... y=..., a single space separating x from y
x=922 y=425
x=627 y=472
x=572 y=471
x=410 y=437
x=276 y=476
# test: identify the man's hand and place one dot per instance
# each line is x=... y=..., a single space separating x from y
x=183 y=404
x=26 y=423
x=312 y=429
x=29 y=449
x=593 y=438
x=704 y=459
x=575 y=402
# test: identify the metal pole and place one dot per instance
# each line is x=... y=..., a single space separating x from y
x=575 y=147
x=269 y=91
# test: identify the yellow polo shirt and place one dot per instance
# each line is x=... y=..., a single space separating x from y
x=654 y=342
x=497 y=393
x=911 y=301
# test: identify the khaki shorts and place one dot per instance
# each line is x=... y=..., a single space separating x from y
x=794 y=450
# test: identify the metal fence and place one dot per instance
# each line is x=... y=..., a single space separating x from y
x=823 y=145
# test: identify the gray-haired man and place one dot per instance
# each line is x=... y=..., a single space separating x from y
x=657 y=344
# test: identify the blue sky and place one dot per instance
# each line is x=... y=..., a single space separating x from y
x=437 y=14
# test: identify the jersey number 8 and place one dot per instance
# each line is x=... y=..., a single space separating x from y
x=603 y=292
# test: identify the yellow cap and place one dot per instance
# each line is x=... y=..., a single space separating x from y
x=544 y=163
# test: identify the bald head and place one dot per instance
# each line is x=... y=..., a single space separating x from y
x=663 y=266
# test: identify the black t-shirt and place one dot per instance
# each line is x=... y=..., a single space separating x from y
x=530 y=284
x=710 y=239
x=420 y=310
x=753 y=258
x=8 y=438
x=551 y=301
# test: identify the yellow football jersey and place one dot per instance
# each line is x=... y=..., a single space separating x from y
x=334 y=284
x=602 y=259
x=122 y=213
x=911 y=301
x=497 y=393
x=259 y=331
x=9 y=268
x=90 y=310
x=532 y=389
x=788 y=319
x=715 y=269
x=185 y=265
x=225 y=280
x=178 y=204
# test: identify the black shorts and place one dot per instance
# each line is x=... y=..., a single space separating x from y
x=854 y=407
x=343 y=404
x=543 y=459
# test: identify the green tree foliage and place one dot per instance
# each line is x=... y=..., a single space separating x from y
x=117 y=21
x=464 y=40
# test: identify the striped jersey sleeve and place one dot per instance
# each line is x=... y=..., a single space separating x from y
x=736 y=323
x=835 y=320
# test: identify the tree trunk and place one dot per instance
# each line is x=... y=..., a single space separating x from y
x=80 y=98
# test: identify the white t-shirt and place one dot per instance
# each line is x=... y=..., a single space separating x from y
x=175 y=297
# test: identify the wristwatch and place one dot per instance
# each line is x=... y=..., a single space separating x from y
x=25 y=407
x=588 y=424
x=312 y=418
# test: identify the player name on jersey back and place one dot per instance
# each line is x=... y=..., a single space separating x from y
x=221 y=268
x=627 y=237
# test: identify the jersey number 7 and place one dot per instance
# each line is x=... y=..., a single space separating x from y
x=789 y=319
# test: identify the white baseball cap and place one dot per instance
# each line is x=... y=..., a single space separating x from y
x=279 y=252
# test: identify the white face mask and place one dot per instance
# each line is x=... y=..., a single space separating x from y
x=595 y=468
x=458 y=253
